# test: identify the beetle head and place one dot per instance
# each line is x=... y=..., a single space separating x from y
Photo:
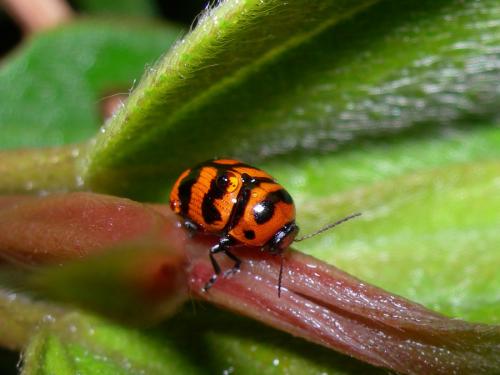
x=280 y=242
x=283 y=238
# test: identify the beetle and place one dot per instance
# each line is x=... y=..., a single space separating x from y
x=241 y=204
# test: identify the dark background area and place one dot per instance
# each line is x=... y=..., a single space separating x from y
x=179 y=10
x=10 y=32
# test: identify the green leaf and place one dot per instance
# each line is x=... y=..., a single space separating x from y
x=20 y=316
x=430 y=215
x=52 y=87
x=47 y=355
x=256 y=79
x=84 y=344
x=88 y=345
x=431 y=236
x=63 y=77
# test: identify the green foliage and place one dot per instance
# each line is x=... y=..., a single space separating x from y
x=324 y=79
x=389 y=108
x=430 y=207
x=63 y=75
x=40 y=170
x=90 y=345
x=219 y=342
x=420 y=228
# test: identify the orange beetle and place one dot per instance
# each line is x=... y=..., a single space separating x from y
x=242 y=204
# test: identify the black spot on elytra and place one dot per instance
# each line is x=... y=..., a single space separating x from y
x=263 y=211
x=249 y=234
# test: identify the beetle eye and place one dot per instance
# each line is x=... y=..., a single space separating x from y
x=228 y=182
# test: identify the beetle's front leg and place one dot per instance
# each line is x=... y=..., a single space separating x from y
x=222 y=246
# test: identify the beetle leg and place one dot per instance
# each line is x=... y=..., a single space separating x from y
x=215 y=249
x=222 y=246
x=237 y=264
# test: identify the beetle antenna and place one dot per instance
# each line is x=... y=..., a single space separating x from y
x=280 y=277
x=328 y=226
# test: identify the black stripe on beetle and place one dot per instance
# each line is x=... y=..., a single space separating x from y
x=185 y=190
x=217 y=189
x=260 y=180
x=242 y=201
x=238 y=209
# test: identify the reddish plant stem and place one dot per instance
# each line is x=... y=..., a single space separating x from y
x=106 y=244
x=70 y=226
x=327 y=306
